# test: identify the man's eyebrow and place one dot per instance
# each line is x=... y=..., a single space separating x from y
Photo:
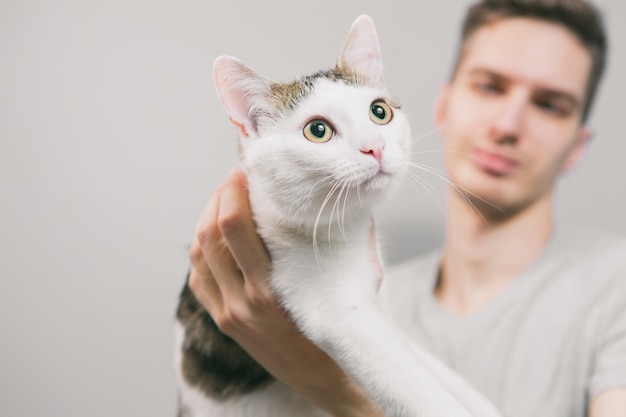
x=488 y=73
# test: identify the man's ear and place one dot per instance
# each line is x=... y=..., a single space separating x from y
x=440 y=108
x=578 y=149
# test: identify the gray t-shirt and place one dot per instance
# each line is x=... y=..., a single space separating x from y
x=544 y=347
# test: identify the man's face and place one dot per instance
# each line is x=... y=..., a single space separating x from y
x=511 y=118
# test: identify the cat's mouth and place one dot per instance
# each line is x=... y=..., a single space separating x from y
x=379 y=180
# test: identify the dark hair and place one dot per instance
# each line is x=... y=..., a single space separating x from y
x=578 y=16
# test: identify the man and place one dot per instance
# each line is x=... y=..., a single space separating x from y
x=533 y=316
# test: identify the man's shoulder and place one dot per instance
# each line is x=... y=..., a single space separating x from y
x=596 y=237
x=590 y=263
x=592 y=248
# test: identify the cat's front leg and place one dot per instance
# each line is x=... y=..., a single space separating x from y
x=380 y=360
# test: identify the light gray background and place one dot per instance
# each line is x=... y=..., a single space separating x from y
x=112 y=140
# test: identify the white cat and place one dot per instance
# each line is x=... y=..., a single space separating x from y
x=318 y=153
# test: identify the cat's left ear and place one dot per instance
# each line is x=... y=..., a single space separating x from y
x=242 y=92
x=361 y=51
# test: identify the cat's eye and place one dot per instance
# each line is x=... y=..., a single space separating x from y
x=318 y=131
x=380 y=112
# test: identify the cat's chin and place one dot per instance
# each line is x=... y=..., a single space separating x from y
x=378 y=182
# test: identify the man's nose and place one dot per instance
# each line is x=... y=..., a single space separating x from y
x=509 y=122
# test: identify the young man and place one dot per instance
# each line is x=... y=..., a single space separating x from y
x=533 y=316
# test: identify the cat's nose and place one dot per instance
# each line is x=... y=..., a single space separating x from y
x=374 y=148
x=377 y=153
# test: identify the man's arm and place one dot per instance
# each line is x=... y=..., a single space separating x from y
x=611 y=403
x=230 y=266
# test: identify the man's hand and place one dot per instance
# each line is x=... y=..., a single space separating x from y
x=230 y=267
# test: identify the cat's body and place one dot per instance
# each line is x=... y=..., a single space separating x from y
x=318 y=154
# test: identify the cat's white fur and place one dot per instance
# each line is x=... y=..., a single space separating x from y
x=330 y=291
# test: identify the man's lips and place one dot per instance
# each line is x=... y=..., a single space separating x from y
x=495 y=163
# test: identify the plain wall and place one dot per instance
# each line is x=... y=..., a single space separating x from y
x=112 y=141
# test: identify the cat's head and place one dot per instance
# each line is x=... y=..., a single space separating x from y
x=327 y=143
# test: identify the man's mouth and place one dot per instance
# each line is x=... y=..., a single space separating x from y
x=494 y=163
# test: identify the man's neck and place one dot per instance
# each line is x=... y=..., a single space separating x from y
x=484 y=255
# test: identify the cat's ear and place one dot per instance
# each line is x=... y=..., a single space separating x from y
x=361 y=51
x=242 y=92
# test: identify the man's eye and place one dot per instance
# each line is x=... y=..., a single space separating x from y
x=488 y=88
x=552 y=107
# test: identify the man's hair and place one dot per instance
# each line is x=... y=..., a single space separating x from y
x=578 y=16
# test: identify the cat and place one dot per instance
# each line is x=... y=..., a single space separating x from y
x=318 y=153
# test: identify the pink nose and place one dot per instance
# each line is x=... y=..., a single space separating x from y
x=374 y=147
x=377 y=152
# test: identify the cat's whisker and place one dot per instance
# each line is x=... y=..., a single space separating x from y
x=335 y=207
x=463 y=192
x=343 y=195
x=464 y=154
x=431 y=132
x=436 y=151
x=327 y=178
x=430 y=189
x=358 y=195
x=444 y=177
x=343 y=213
x=332 y=190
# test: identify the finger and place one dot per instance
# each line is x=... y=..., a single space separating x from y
x=202 y=283
x=217 y=256
x=239 y=230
